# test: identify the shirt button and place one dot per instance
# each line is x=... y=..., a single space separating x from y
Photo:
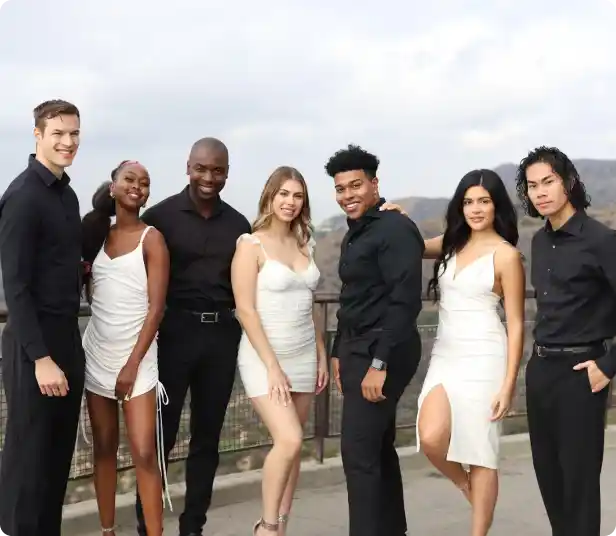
x=545 y=293
x=553 y=246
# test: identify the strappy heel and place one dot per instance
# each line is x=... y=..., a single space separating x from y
x=283 y=519
x=106 y=531
x=272 y=527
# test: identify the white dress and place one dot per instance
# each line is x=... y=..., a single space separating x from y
x=120 y=304
x=469 y=359
x=284 y=300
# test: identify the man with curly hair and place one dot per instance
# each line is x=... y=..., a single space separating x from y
x=377 y=346
x=574 y=275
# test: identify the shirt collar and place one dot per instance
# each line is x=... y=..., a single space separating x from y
x=573 y=226
x=45 y=174
x=187 y=204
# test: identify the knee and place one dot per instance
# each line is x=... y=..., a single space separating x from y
x=433 y=439
x=144 y=457
x=105 y=445
x=290 y=444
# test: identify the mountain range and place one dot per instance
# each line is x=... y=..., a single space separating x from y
x=599 y=176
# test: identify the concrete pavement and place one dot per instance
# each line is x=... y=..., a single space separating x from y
x=434 y=506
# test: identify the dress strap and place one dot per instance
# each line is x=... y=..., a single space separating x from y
x=145 y=232
x=253 y=240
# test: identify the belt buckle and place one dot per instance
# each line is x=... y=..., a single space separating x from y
x=209 y=318
x=539 y=351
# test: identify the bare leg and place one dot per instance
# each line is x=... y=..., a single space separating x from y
x=484 y=492
x=140 y=416
x=286 y=431
x=303 y=404
x=434 y=425
x=105 y=430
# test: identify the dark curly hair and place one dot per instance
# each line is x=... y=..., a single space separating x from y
x=457 y=232
x=95 y=224
x=352 y=158
x=563 y=167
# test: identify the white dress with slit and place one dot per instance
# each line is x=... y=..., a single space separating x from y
x=284 y=300
x=469 y=359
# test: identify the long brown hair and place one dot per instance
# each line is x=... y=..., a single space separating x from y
x=301 y=226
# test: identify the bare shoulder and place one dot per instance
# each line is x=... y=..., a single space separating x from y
x=154 y=238
x=508 y=257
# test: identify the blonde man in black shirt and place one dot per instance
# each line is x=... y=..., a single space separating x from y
x=574 y=275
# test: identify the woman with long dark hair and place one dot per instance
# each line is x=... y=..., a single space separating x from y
x=472 y=373
x=126 y=288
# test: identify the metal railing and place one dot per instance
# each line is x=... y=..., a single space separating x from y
x=242 y=428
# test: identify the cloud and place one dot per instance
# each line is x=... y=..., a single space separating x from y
x=433 y=88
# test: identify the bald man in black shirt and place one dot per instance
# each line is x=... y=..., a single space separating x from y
x=199 y=335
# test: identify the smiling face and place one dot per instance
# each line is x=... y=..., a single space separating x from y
x=546 y=190
x=57 y=141
x=207 y=168
x=478 y=208
x=288 y=202
x=131 y=187
x=356 y=192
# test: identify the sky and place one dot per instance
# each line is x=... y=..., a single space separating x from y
x=433 y=88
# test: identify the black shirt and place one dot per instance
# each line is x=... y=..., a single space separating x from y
x=200 y=250
x=40 y=253
x=574 y=275
x=380 y=269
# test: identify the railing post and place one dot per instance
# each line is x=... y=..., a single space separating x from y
x=321 y=403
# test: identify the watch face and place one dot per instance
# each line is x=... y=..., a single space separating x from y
x=378 y=364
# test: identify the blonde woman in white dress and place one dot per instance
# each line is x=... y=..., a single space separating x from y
x=282 y=359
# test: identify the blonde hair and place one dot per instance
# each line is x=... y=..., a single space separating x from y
x=301 y=226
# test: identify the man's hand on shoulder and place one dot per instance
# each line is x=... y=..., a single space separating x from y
x=50 y=378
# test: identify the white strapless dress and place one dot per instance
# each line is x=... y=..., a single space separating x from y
x=284 y=300
x=469 y=359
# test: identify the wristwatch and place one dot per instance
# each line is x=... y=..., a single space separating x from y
x=377 y=364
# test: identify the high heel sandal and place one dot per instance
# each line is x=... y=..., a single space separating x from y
x=105 y=531
x=283 y=519
x=272 y=527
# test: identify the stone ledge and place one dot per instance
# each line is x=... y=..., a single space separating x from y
x=82 y=517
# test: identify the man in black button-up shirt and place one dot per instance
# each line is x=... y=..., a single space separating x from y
x=567 y=378
x=199 y=335
x=377 y=346
x=42 y=357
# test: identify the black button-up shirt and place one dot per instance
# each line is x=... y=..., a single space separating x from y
x=574 y=275
x=40 y=253
x=200 y=250
x=380 y=269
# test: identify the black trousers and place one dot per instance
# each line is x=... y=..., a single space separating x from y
x=40 y=432
x=566 y=423
x=370 y=460
x=201 y=357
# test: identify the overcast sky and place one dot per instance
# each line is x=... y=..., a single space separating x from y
x=434 y=88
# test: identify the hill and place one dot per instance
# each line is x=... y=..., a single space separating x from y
x=599 y=176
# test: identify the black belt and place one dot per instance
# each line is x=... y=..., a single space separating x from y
x=592 y=350
x=208 y=317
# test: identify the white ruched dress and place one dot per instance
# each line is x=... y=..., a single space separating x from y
x=120 y=304
x=284 y=301
x=469 y=359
